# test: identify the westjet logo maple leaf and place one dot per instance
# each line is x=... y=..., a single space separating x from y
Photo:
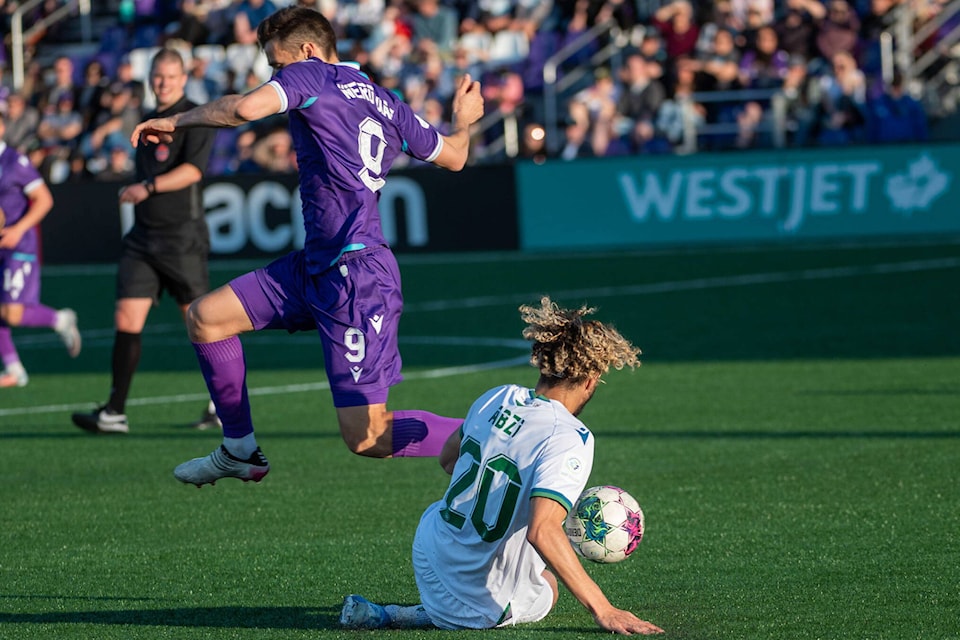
x=917 y=188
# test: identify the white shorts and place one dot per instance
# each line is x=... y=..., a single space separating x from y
x=447 y=611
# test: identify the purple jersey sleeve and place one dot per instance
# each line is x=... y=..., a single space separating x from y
x=347 y=132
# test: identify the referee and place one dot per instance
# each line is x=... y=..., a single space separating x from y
x=168 y=246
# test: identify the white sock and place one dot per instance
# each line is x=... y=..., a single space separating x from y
x=15 y=368
x=211 y=408
x=414 y=617
x=241 y=448
x=62 y=321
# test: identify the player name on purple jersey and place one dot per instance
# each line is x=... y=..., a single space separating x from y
x=364 y=91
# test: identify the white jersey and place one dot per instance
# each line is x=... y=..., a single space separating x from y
x=514 y=445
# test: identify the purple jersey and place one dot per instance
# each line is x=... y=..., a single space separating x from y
x=347 y=132
x=17 y=179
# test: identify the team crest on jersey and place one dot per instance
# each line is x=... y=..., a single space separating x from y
x=162 y=154
x=572 y=468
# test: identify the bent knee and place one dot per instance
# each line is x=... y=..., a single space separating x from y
x=200 y=326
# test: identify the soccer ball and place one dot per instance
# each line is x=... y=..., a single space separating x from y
x=605 y=525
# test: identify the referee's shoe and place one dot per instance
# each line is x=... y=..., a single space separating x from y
x=102 y=420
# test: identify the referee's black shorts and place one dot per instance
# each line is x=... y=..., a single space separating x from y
x=149 y=267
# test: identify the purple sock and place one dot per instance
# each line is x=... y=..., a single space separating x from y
x=421 y=434
x=225 y=372
x=8 y=352
x=38 y=315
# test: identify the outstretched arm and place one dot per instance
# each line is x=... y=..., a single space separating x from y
x=546 y=534
x=467 y=109
x=228 y=111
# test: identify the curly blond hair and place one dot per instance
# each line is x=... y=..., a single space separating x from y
x=567 y=347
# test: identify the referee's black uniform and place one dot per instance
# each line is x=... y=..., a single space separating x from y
x=168 y=245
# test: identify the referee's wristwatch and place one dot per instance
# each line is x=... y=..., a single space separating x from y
x=150 y=186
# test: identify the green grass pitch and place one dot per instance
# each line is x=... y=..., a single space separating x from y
x=793 y=438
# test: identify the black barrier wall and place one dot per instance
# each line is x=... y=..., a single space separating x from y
x=423 y=210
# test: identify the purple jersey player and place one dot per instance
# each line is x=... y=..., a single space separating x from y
x=344 y=283
x=25 y=200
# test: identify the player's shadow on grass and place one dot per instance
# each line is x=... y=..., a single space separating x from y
x=310 y=618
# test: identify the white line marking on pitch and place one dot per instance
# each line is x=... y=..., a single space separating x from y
x=444 y=372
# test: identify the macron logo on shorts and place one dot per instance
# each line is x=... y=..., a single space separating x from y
x=356 y=371
x=377 y=322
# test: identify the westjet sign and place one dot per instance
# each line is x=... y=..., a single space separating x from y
x=739 y=196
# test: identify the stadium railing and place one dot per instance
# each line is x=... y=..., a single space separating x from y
x=19 y=36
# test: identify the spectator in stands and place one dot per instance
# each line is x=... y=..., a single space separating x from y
x=599 y=96
x=651 y=48
x=839 y=118
x=839 y=31
x=797 y=29
x=677 y=111
x=719 y=69
x=799 y=94
x=201 y=88
x=576 y=130
x=597 y=104
x=494 y=37
x=642 y=92
x=125 y=76
x=90 y=92
x=248 y=15
x=114 y=124
x=896 y=116
x=242 y=161
x=62 y=83
x=192 y=26
x=273 y=153
x=358 y=19
x=677 y=27
x=759 y=14
x=119 y=164
x=765 y=66
x=61 y=126
x=436 y=23
x=22 y=122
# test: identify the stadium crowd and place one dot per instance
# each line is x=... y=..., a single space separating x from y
x=822 y=57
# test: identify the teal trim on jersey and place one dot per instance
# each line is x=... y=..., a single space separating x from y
x=24 y=257
x=309 y=101
x=404 y=146
x=552 y=495
x=506 y=615
x=350 y=247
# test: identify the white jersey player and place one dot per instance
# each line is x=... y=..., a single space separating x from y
x=518 y=464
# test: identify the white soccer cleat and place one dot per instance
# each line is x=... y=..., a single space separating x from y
x=360 y=613
x=68 y=331
x=222 y=464
x=102 y=420
x=14 y=379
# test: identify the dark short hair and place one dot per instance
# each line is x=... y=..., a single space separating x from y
x=293 y=26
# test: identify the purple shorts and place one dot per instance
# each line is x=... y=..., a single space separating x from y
x=355 y=306
x=19 y=277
